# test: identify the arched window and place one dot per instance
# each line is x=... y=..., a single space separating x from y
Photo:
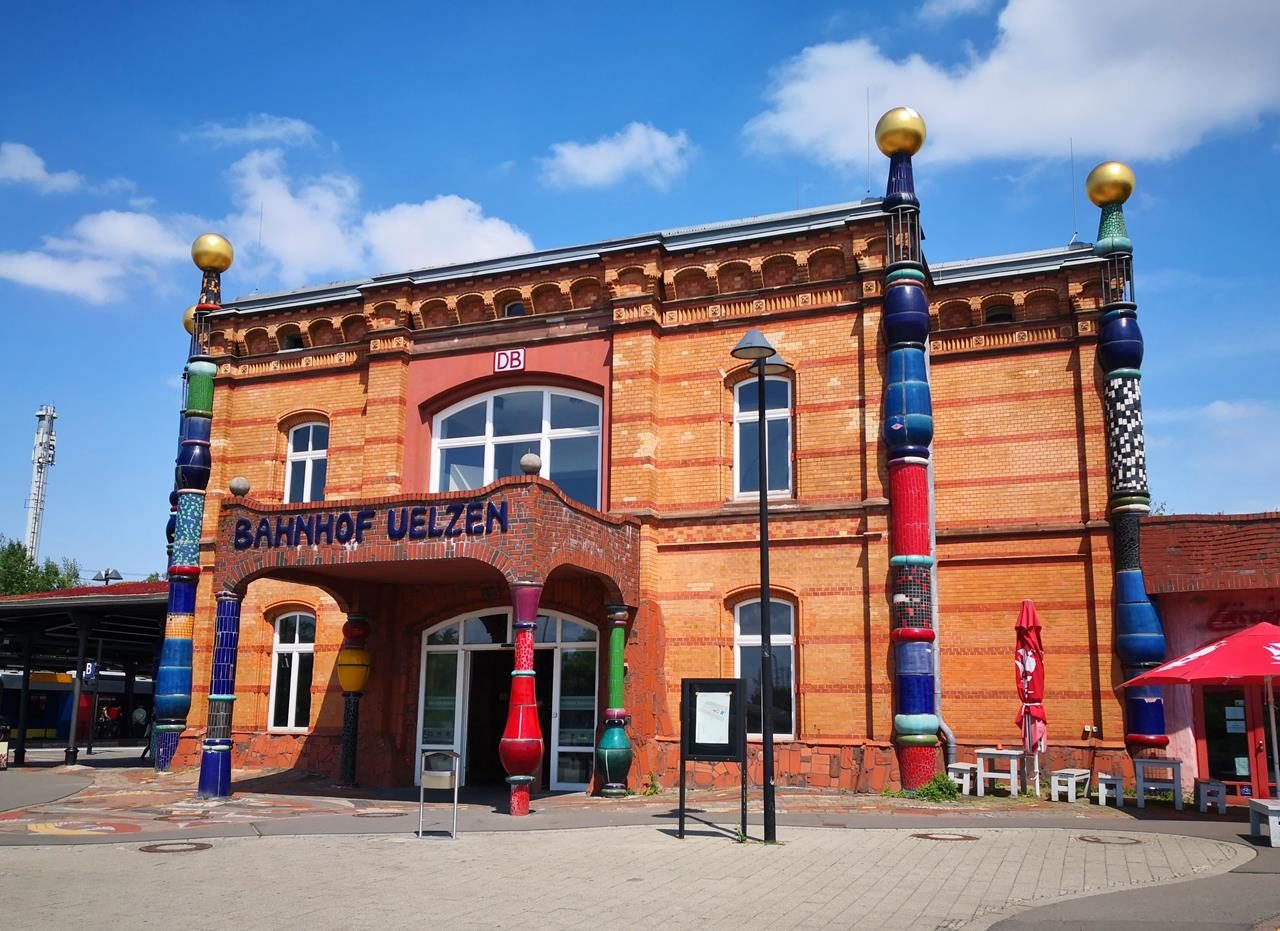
x=307 y=463
x=482 y=440
x=292 y=664
x=746 y=436
x=746 y=661
x=515 y=309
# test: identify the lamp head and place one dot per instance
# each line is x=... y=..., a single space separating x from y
x=752 y=346
x=774 y=365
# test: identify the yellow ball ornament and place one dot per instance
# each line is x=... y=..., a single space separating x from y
x=1109 y=183
x=212 y=253
x=900 y=130
x=189 y=319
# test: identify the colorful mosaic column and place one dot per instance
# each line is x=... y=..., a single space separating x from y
x=520 y=748
x=215 y=760
x=353 y=676
x=1139 y=635
x=908 y=433
x=613 y=753
x=212 y=255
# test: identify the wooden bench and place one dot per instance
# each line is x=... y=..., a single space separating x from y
x=1069 y=780
x=1112 y=784
x=1268 y=809
x=962 y=775
x=1211 y=792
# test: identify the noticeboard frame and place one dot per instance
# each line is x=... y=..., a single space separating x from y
x=732 y=750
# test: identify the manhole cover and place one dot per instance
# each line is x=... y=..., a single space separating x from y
x=944 y=835
x=379 y=814
x=1099 y=839
x=182 y=847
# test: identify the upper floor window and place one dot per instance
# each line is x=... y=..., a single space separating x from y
x=746 y=659
x=483 y=439
x=293 y=661
x=746 y=436
x=515 y=309
x=307 y=463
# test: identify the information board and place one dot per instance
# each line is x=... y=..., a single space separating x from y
x=713 y=728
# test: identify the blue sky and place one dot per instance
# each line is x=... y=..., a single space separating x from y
x=377 y=136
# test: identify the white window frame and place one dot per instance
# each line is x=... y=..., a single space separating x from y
x=741 y=416
x=543 y=438
x=308 y=458
x=296 y=649
x=775 y=641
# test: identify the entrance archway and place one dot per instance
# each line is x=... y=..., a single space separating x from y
x=464 y=685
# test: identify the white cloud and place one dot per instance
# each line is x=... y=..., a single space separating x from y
x=440 y=231
x=945 y=9
x=123 y=236
x=316 y=227
x=1153 y=83
x=258 y=129
x=94 y=280
x=638 y=149
x=19 y=164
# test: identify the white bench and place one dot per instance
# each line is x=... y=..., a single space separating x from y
x=1069 y=780
x=962 y=775
x=1211 y=792
x=1268 y=808
x=1112 y=784
x=1147 y=783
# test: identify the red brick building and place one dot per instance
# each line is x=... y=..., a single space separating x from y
x=380 y=425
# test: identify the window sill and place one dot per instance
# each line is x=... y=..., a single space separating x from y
x=289 y=730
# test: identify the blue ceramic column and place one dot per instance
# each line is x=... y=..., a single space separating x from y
x=1139 y=635
x=215 y=760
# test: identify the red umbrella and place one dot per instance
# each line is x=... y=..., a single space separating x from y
x=1249 y=657
x=1028 y=660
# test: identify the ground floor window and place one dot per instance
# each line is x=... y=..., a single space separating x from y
x=466 y=685
x=746 y=655
x=293 y=661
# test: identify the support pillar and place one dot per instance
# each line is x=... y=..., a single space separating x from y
x=72 y=751
x=613 y=753
x=353 y=676
x=24 y=699
x=215 y=758
x=520 y=748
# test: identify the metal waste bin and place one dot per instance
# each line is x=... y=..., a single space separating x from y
x=433 y=776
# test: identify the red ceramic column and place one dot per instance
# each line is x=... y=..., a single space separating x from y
x=520 y=748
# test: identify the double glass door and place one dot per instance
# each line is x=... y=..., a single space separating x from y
x=1234 y=740
x=465 y=690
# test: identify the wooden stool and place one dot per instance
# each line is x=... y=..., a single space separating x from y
x=1211 y=792
x=962 y=775
x=1068 y=780
x=1265 y=809
x=1112 y=784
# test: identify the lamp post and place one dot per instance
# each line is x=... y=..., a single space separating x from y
x=107 y=576
x=764 y=360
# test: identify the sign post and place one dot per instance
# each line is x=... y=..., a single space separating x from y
x=713 y=728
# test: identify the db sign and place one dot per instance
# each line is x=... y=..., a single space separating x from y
x=508 y=360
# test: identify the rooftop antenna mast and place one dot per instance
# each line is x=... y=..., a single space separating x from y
x=41 y=461
x=1075 y=220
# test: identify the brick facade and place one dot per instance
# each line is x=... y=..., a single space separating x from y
x=646 y=325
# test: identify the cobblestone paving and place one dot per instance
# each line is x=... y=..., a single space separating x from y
x=628 y=877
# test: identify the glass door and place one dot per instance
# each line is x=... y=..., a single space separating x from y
x=574 y=727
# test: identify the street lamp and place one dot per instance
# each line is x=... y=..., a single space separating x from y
x=107 y=576
x=764 y=359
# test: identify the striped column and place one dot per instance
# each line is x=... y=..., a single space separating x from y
x=908 y=434
x=215 y=760
x=613 y=753
x=520 y=748
x=212 y=255
x=1139 y=635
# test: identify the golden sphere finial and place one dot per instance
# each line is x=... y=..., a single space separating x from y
x=900 y=130
x=189 y=319
x=212 y=253
x=1109 y=183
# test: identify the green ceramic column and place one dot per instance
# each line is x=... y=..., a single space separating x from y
x=613 y=753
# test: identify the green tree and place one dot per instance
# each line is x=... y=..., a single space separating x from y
x=154 y=577
x=21 y=575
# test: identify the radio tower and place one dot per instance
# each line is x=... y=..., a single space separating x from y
x=41 y=462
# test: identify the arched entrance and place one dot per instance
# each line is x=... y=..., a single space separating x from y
x=464 y=688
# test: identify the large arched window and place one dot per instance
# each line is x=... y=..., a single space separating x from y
x=746 y=436
x=292 y=664
x=746 y=661
x=307 y=463
x=482 y=439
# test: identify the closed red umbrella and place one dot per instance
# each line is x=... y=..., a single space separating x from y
x=1248 y=657
x=1028 y=660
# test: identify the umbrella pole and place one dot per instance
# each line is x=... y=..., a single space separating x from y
x=1275 y=747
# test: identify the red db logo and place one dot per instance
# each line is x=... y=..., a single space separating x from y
x=508 y=360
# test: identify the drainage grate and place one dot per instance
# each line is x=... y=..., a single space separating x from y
x=379 y=814
x=1116 y=840
x=177 y=847
x=944 y=835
